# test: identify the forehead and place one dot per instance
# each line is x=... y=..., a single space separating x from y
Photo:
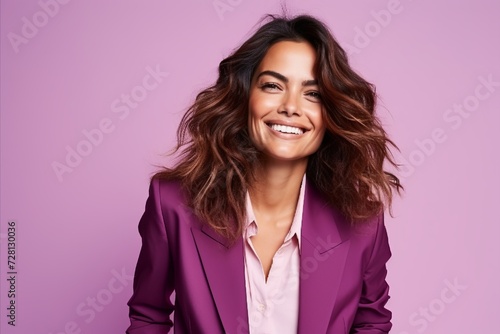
x=289 y=56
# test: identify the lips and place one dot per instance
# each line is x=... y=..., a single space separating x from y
x=287 y=129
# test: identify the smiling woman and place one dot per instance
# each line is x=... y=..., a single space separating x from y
x=285 y=112
x=272 y=221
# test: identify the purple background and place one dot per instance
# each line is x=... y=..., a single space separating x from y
x=78 y=231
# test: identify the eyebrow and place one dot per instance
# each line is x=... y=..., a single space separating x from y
x=281 y=77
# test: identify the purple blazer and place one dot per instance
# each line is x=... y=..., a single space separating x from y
x=342 y=278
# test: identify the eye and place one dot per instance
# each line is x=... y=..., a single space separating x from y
x=314 y=94
x=269 y=85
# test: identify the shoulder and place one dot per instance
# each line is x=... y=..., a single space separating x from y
x=365 y=237
x=318 y=204
x=170 y=200
x=167 y=192
x=321 y=219
x=370 y=227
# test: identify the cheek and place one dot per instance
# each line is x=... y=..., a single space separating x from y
x=251 y=108
x=263 y=103
x=316 y=118
x=252 y=118
x=256 y=111
x=320 y=127
x=253 y=129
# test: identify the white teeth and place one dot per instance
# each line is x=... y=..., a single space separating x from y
x=287 y=129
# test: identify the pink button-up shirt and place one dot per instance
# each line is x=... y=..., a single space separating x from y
x=273 y=306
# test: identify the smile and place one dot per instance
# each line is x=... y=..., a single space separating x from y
x=286 y=129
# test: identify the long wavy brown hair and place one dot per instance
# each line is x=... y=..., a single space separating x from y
x=217 y=162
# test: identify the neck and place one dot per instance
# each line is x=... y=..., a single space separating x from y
x=275 y=191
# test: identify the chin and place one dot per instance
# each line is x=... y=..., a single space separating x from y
x=284 y=157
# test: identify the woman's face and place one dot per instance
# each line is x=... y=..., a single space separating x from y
x=285 y=119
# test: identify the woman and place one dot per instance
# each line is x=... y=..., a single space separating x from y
x=272 y=220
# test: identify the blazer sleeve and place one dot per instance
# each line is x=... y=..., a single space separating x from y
x=150 y=306
x=372 y=317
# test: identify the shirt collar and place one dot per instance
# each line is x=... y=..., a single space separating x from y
x=250 y=228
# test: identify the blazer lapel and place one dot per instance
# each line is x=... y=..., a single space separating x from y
x=324 y=250
x=225 y=272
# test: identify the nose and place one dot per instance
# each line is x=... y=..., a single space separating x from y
x=290 y=105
